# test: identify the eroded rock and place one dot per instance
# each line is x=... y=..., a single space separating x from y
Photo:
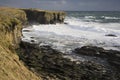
x=112 y=56
x=44 y=17
x=50 y=62
x=111 y=35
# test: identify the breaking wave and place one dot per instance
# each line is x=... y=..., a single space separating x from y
x=75 y=33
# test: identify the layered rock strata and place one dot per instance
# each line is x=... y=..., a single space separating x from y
x=44 y=17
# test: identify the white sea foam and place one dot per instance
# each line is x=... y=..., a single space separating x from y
x=107 y=17
x=90 y=17
x=76 y=33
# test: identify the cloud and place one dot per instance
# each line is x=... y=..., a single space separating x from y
x=64 y=4
x=50 y=2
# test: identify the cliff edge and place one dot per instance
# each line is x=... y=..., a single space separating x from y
x=44 y=17
x=11 y=22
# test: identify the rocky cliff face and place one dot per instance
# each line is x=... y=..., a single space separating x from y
x=11 y=22
x=11 y=68
x=44 y=17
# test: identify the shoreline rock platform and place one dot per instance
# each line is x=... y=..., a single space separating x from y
x=51 y=63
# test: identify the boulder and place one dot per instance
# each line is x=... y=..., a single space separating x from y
x=111 y=35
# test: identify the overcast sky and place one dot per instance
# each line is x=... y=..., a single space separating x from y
x=76 y=5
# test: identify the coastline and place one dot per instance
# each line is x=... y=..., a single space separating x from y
x=12 y=21
x=44 y=61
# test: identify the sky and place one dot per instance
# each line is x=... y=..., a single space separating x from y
x=69 y=5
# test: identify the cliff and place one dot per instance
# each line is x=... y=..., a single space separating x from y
x=11 y=22
x=44 y=17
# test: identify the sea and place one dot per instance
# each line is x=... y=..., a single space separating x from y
x=80 y=28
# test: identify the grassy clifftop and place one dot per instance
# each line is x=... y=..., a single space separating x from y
x=11 y=22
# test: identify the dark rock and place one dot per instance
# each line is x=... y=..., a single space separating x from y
x=91 y=51
x=49 y=62
x=32 y=37
x=112 y=56
x=32 y=40
x=44 y=17
x=65 y=23
x=111 y=35
x=26 y=30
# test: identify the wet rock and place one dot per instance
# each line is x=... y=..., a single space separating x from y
x=90 y=51
x=32 y=40
x=49 y=62
x=32 y=37
x=112 y=56
x=65 y=23
x=26 y=30
x=111 y=35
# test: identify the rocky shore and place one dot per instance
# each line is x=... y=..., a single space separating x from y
x=28 y=61
x=112 y=56
x=51 y=64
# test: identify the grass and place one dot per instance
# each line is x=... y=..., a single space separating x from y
x=11 y=68
x=11 y=22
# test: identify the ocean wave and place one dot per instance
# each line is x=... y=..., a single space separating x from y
x=82 y=28
x=92 y=25
x=107 y=17
x=100 y=19
x=90 y=17
x=76 y=33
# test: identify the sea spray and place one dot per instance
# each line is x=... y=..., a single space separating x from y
x=78 y=31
